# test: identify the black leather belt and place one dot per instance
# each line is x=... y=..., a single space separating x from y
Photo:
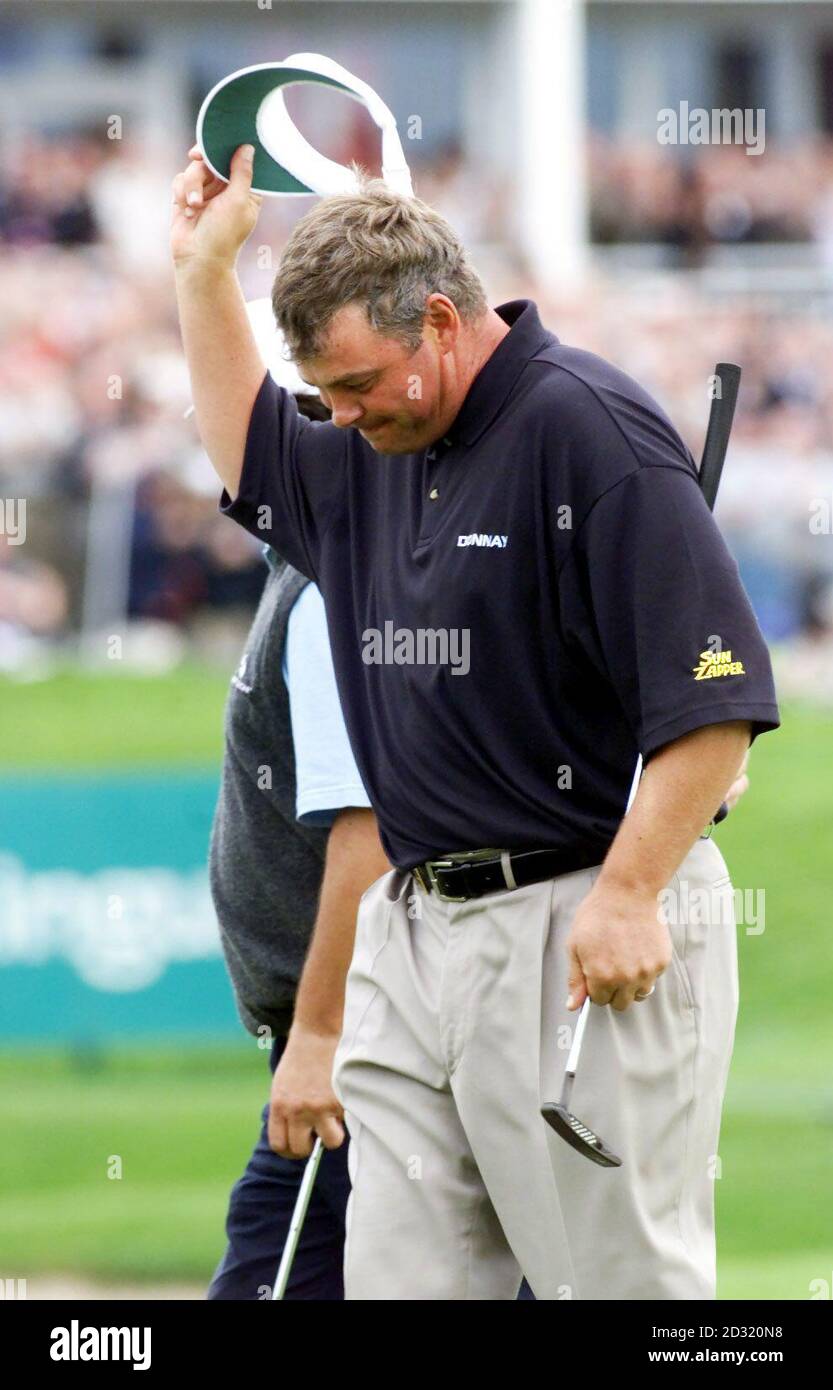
x=470 y=874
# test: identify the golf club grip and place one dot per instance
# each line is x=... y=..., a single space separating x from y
x=719 y=428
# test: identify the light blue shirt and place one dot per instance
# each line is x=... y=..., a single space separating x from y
x=326 y=774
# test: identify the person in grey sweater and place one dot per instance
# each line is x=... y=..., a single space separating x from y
x=293 y=847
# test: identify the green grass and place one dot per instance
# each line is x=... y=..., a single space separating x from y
x=781 y=840
x=775 y=1193
x=75 y=721
x=184 y=1122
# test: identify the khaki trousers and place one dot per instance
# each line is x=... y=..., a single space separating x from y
x=456 y=1030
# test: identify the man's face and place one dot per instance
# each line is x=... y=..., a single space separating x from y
x=373 y=383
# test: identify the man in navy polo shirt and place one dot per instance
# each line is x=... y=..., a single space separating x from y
x=524 y=590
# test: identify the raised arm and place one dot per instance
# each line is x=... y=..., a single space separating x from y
x=210 y=222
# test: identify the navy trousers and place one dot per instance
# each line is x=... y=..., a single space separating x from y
x=259 y=1214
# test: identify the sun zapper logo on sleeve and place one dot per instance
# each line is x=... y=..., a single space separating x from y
x=717 y=664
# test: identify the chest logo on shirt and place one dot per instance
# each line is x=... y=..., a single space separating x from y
x=500 y=542
x=237 y=679
x=713 y=664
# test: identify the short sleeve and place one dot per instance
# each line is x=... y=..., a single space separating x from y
x=292 y=478
x=327 y=779
x=654 y=597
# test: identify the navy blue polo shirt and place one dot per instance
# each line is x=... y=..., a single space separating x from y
x=518 y=611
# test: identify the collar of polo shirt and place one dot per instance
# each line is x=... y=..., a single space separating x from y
x=499 y=374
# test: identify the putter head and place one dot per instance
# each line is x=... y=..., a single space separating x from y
x=578 y=1135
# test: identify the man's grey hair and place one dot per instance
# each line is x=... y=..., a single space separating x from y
x=372 y=247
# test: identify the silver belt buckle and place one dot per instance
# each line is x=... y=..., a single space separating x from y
x=465 y=856
x=431 y=865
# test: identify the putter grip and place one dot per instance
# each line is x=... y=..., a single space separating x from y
x=719 y=428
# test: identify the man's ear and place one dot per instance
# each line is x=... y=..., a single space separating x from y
x=442 y=321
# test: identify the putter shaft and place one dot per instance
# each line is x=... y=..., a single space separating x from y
x=297 y=1223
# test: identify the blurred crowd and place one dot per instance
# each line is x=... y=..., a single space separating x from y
x=94 y=391
x=693 y=197
x=84 y=188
